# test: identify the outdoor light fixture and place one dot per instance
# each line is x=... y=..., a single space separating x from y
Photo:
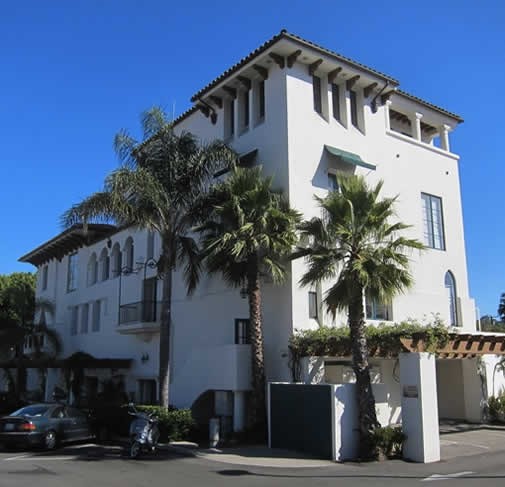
x=243 y=292
x=144 y=358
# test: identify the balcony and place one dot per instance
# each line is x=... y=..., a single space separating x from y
x=142 y=317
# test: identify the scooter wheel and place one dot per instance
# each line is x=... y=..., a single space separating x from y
x=134 y=449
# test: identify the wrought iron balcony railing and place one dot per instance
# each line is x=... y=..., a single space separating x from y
x=140 y=312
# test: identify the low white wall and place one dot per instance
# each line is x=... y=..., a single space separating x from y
x=385 y=382
x=346 y=424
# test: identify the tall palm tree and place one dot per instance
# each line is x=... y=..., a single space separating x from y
x=247 y=232
x=356 y=245
x=153 y=189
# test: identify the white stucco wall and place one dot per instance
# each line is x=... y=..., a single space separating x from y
x=407 y=169
x=290 y=143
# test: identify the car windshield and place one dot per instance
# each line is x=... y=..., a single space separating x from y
x=31 y=411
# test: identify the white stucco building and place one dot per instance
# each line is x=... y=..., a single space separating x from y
x=304 y=113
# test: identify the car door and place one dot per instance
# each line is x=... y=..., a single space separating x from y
x=61 y=423
x=80 y=427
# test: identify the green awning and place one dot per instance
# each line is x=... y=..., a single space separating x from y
x=349 y=157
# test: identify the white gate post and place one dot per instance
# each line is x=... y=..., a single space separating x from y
x=418 y=381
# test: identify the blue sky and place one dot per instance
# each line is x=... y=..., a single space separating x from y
x=74 y=73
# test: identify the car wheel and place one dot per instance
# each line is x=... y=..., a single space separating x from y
x=50 y=440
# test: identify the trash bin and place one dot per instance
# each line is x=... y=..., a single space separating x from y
x=214 y=432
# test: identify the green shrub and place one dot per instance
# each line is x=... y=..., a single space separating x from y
x=388 y=441
x=383 y=340
x=496 y=409
x=174 y=424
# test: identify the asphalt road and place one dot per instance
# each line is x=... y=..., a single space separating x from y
x=93 y=466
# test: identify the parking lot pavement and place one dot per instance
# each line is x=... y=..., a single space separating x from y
x=474 y=441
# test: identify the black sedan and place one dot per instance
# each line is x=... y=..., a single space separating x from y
x=43 y=425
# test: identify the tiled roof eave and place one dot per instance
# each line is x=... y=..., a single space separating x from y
x=300 y=41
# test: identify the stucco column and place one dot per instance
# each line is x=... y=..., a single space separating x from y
x=444 y=137
x=239 y=411
x=418 y=381
x=387 y=105
x=415 y=121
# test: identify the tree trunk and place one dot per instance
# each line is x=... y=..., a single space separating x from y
x=367 y=416
x=165 y=331
x=257 y=413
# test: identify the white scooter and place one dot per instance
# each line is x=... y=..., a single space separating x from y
x=144 y=432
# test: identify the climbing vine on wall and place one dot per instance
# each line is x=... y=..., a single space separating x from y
x=383 y=340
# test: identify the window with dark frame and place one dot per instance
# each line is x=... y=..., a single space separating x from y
x=242 y=332
x=74 y=319
x=332 y=182
x=231 y=118
x=313 y=305
x=44 y=277
x=335 y=98
x=450 y=285
x=97 y=308
x=244 y=98
x=377 y=310
x=316 y=89
x=433 y=221
x=84 y=318
x=354 y=108
x=72 y=272
x=261 y=100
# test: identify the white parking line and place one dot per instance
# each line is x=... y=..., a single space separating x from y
x=476 y=445
x=447 y=476
x=15 y=458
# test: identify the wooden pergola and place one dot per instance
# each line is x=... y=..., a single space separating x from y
x=460 y=346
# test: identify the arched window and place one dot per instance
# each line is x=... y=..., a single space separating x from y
x=129 y=251
x=450 y=284
x=104 y=265
x=116 y=259
x=92 y=270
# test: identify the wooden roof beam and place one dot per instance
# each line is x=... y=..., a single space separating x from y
x=313 y=67
x=263 y=72
x=217 y=100
x=231 y=91
x=386 y=96
x=204 y=109
x=332 y=75
x=293 y=57
x=368 y=89
x=245 y=82
x=352 y=81
x=278 y=59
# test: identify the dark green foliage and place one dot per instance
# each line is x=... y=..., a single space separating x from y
x=383 y=340
x=174 y=424
x=496 y=405
x=388 y=441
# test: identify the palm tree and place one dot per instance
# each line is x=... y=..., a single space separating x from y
x=247 y=230
x=153 y=189
x=357 y=247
